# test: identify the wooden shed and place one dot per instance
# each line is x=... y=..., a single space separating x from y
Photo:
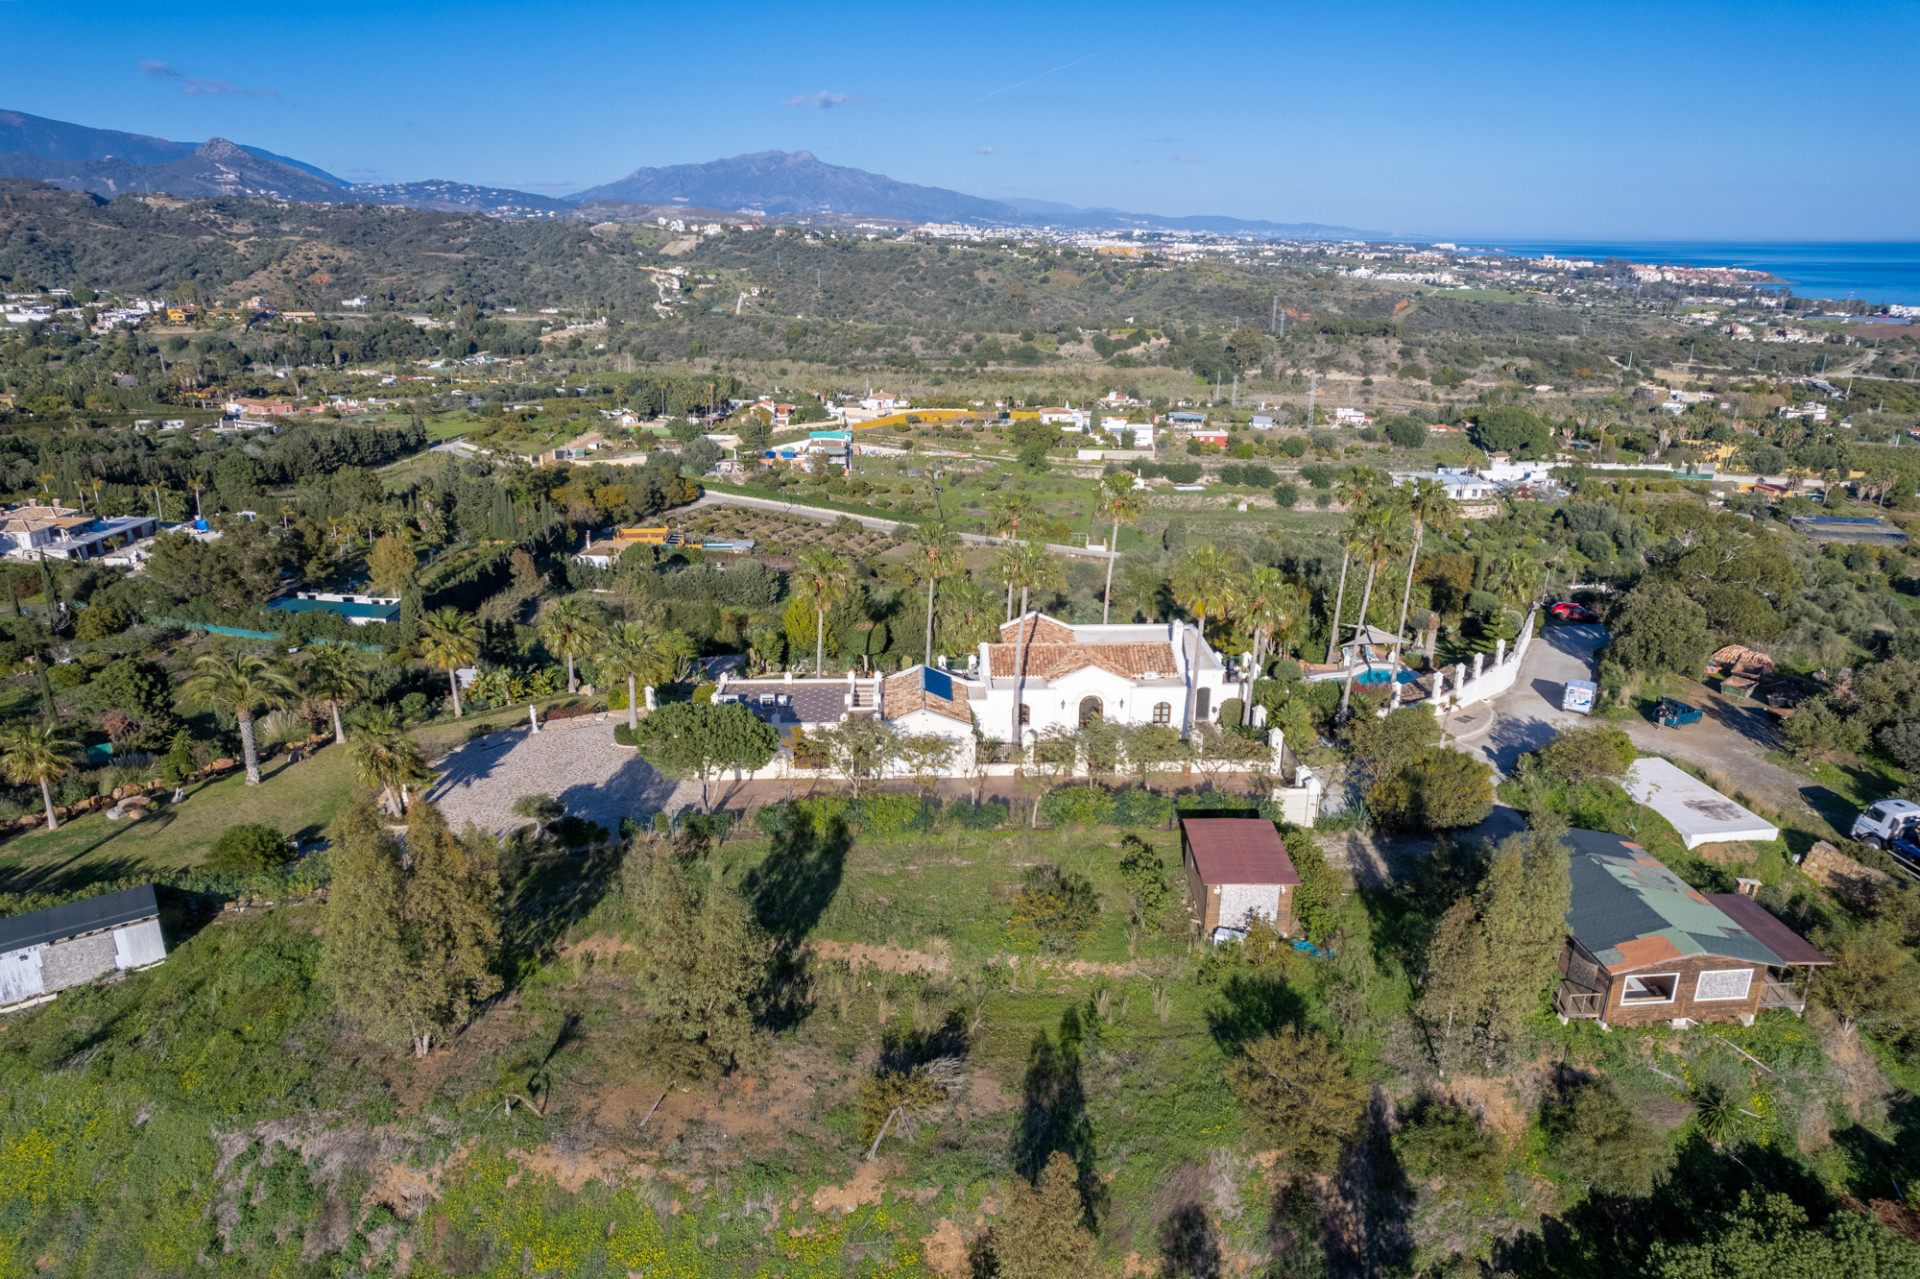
x=1237 y=867
x=1643 y=947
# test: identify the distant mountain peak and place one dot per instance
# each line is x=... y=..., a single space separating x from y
x=221 y=149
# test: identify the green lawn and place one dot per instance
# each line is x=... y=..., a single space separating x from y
x=299 y=799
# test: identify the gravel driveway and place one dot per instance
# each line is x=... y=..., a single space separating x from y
x=575 y=760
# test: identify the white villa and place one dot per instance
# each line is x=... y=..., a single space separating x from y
x=1051 y=673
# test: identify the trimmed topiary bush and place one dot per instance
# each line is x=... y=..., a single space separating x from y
x=1077 y=806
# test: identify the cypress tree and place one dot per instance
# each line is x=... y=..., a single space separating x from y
x=453 y=926
x=364 y=957
x=1041 y=1234
x=1456 y=977
x=702 y=961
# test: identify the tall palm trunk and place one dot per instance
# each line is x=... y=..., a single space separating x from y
x=46 y=794
x=1406 y=595
x=573 y=685
x=820 y=644
x=1339 y=602
x=1113 y=547
x=1020 y=672
x=1366 y=596
x=633 y=709
x=929 y=658
x=339 y=729
x=244 y=715
x=453 y=682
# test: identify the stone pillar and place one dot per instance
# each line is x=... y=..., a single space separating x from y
x=651 y=704
x=1479 y=664
x=1499 y=653
x=534 y=715
x=1398 y=687
x=1433 y=634
x=1439 y=684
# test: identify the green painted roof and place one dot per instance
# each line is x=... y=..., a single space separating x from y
x=1625 y=905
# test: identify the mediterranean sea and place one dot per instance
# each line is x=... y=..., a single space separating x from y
x=1866 y=271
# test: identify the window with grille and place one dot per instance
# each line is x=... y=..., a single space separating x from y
x=1026 y=714
x=1163 y=712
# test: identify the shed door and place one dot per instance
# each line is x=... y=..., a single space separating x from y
x=138 y=945
x=20 y=975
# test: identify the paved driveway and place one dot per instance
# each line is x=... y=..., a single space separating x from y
x=1731 y=740
x=575 y=760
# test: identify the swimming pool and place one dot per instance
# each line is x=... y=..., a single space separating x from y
x=1382 y=675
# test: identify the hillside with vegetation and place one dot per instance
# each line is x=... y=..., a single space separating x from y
x=932 y=1025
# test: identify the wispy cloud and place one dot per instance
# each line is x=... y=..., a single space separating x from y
x=1189 y=159
x=986 y=150
x=193 y=86
x=824 y=100
x=1021 y=84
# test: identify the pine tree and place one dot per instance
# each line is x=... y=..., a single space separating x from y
x=702 y=960
x=1456 y=977
x=1523 y=913
x=364 y=957
x=453 y=927
x=1296 y=1088
x=1042 y=1234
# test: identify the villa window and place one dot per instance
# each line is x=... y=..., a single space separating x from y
x=1163 y=712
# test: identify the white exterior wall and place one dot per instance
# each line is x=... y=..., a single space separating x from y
x=138 y=944
x=20 y=975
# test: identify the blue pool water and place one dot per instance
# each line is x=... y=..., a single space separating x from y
x=1382 y=676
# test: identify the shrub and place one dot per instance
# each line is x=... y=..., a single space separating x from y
x=1145 y=876
x=1077 y=806
x=1438 y=1139
x=623 y=735
x=887 y=815
x=989 y=815
x=247 y=849
x=1599 y=1140
x=1286 y=496
x=100 y=621
x=539 y=808
x=1055 y=909
x=1139 y=807
x=578 y=832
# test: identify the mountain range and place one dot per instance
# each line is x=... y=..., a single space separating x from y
x=778 y=185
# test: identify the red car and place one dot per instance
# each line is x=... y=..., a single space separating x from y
x=1568 y=611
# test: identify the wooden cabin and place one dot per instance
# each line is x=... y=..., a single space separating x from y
x=1644 y=948
x=1237 y=867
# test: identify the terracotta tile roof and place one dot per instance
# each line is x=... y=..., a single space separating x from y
x=906 y=693
x=1041 y=628
x=1051 y=661
x=1238 y=850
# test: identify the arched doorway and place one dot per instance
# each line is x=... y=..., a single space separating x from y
x=1090 y=710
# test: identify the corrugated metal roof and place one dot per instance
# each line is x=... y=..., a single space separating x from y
x=1630 y=910
x=1239 y=850
x=88 y=915
x=1758 y=920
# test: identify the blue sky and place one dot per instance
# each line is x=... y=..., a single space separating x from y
x=1642 y=121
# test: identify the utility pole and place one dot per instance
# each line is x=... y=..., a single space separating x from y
x=1273 y=321
x=1313 y=383
x=1236 y=390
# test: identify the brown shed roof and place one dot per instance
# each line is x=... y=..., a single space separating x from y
x=1770 y=932
x=1238 y=850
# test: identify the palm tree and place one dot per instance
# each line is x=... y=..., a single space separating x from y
x=40 y=753
x=242 y=685
x=1428 y=502
x=448 y=643
x=1379 y=534
x=823 y=584
x=336 y=675
x=568 y=632
x=936 y=554
x=1204 y=583
x=1265 y=603
x=1004 y=516
x=1360 y=485
x=633 y=653
x=1035 y=569
x=1514 y=577
x=1120 y=502
x=385 y=758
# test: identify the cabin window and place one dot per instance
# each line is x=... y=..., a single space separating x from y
x=1163 y=712
x=1724 y=983
x=1655 y=989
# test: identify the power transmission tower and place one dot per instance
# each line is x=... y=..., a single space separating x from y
x=1273 y=320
